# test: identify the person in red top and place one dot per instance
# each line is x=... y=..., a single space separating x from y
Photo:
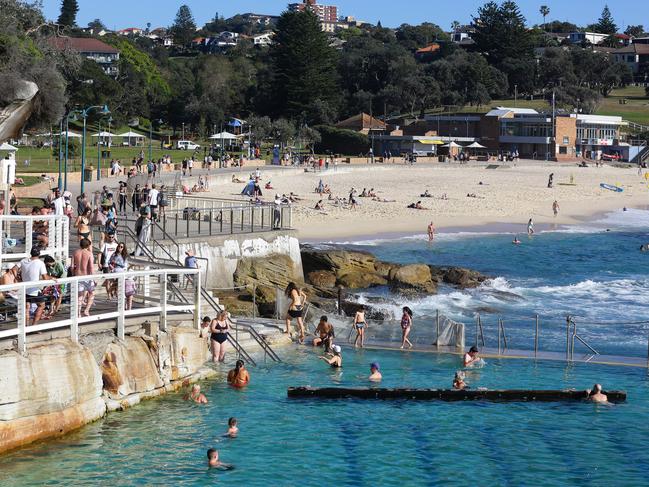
x=83 y=265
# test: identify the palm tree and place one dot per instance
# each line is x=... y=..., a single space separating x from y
x=455 y=26
x=545 y=11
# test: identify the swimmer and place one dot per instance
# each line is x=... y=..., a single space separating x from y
x=375 y=373
x=431 y=232
x=214 y=462
x=233 y=429
x=596 y=395
x=516 y=241
x=458 y=381
x=238 y=377
x=337 y=359
x=196 y=395
x=471 y=357
x=324 y=334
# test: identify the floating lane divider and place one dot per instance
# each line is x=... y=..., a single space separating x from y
x=611 y=187
x=509 y=395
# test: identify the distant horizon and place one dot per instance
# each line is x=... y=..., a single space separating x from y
x=162 y=13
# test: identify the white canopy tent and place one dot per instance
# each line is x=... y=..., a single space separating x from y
x=105 y=138
x=8 y=147
x=452 y=145
x=475 y=145
x=225 y=137
x=130 y=135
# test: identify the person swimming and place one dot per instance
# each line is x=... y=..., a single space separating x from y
x=596 y=394
x=238 y=377
x=375 y=372
x=458 y=381
x=214 y=462
x=196 y=395
x=472 y=357
x=233 y=430
x=516 y=241
x=337 y=359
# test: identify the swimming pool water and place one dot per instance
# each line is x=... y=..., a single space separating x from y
x=286 y=442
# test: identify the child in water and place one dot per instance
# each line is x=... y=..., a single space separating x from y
x=233 y=429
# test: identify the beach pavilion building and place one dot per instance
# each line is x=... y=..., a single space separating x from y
x=524 y=131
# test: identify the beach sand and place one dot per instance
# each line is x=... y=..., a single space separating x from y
x=509 y=195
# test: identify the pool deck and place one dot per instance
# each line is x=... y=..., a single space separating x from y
x=486 y=352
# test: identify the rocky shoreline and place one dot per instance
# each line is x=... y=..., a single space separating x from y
x=330 y=274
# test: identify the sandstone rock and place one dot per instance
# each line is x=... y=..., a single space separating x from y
x=360 y=279
x=338 y=261
x=411 y=278
x=383 y=269
x=128 y=367
x=321 y=279
x=274 y=270
x=189 y=351
x=237 y=304
x=463 y=278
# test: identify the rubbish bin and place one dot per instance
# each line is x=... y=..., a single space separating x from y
x=87 y=174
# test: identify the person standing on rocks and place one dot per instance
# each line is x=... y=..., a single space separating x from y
x=359 y=325
x=406 y=326
x=295 y=309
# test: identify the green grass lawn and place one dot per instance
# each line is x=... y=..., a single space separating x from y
x=635 y=110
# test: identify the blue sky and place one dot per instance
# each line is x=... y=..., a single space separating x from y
x=118 y=14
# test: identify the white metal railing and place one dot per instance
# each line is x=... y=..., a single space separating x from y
x=18 y=236
x=152 y=299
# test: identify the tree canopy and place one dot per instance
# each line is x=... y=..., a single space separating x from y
x=68 y=16
x=606 y=24
x=183 y=29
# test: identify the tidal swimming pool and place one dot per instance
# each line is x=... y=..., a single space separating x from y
x=286 y=442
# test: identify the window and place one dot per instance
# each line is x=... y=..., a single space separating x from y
x=566 y=140
x=563 y=150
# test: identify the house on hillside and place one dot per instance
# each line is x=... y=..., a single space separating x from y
x=592 y=37
x=262 y=40
x=131 y=31
x=106 y=56
x=362 y=123
x=428 y=52
x=161 y=36
x=635 y=55
x=463 y=35
x=259 y=19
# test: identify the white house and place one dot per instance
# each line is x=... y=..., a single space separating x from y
x=265 y=39
x=592 y=37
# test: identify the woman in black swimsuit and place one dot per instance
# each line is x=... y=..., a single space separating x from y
x=219 y=336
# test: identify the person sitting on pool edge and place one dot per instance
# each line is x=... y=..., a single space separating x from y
x=375 y=373
x=325 y=334
x=238 y=377
x=233 y=430
x=471 y=357
x=596 y=394
x=196 y=395
x=214 y=462
x=458 y=381
x=337 y=359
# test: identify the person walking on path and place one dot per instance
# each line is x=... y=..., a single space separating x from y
x=83 y=265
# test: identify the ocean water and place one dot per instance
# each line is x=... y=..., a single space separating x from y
x=299 y=442
x=595 y=273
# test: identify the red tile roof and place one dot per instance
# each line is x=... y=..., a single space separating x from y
x=82 y=44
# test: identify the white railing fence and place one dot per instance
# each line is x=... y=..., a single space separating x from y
x=152 y=298
x=18 y=234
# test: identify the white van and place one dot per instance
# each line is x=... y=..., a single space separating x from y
x=186 y=145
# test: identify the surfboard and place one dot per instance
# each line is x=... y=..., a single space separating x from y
x=610 y=187
x=567 y=184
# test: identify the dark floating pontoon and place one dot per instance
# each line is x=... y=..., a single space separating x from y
x=509 y=395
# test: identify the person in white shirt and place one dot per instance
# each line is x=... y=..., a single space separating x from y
x=33 y=269
x=58 y=202
x=153 y=200
x=190 y=165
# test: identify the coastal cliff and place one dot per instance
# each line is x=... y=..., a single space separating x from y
x=61 y=385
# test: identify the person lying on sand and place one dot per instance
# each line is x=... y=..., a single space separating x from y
x=383 y=200
x=426 y=194
x=417 y=206
x=371 y=193
x=319 y=206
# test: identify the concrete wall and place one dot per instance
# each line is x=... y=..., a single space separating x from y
x=224 y=253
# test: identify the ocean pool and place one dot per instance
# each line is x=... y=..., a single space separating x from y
x=286 y=442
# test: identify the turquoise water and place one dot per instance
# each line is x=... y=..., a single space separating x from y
x=362 y=443
x=590 y=273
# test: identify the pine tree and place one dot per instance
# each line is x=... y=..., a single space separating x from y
x=184 y=27
x=606 y=24
x=68 y=16
x=304 y=68
x=501 y=33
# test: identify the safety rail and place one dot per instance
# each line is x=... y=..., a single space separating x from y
x=247 y=218
x=147 y=301
x=50 y=233
x=209 y=299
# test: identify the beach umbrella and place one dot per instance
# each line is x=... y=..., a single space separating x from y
x=223 y=136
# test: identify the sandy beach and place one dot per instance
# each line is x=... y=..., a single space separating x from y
x=508 y=195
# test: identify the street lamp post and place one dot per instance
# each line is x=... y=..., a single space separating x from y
x=150 y=139
x=98 y=150
x=59 y=185
x=84 y=114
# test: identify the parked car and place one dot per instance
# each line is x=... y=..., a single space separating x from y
x=186 y=145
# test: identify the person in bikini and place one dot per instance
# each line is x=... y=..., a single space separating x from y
x=239 y=376
x=406 y=325
x=295 y=309
x=359 y=326
x=82 y=224
x=337 y=360
x=219 y=336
